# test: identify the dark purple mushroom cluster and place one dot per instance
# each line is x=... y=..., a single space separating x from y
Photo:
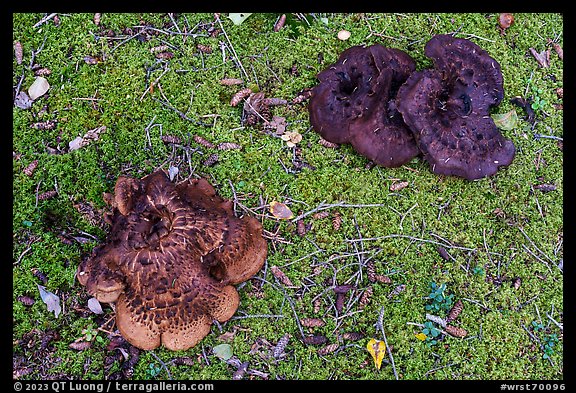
x=373 y=98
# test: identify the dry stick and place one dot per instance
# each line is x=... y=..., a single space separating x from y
x=171 y=16
x=154 y=83
x=560 y=325
x=232 y=48
x=323 y=206
x=44 y=20
x=381 y=326
x=163 y=364
x=124 y=41
x=289 y=302
x=440 y=368
x=536 y=256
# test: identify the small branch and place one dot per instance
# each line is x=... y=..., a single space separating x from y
x=381 y=326
x=44 y=20
x=232 y=48
x=560 y=325
x=324 y=206
x=163 y=364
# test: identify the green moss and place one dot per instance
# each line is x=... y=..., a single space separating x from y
x=502 y=225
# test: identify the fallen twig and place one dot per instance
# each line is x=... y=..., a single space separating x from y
x=232 y=48
x=381 y=327
x=324 y=206
x=45 y=19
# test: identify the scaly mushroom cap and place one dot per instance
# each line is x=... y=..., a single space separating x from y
x=448 y=109
x=171 y=259
x=354 y=103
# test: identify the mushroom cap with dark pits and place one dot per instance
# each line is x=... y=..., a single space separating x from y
x=354 y=103
x=448 y=110
x=171 y=259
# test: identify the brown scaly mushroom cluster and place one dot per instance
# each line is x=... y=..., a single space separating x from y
x=391 y=113
x=171 y=259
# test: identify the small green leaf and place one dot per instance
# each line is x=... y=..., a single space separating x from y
x=223 y=351
x=507 y=121
x=238 y=18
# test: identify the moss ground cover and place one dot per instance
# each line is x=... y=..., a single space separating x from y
x=503 y=235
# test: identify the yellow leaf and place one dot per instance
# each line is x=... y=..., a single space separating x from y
x=421 y=336
x=280 y=210
x=377 y=349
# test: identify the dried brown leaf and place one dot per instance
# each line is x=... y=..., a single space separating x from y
x=227 y=337
x=557 y=48
x=91 y=135
x=443 y=253
x=23 y=101
x=240 y=95
x=455 y=331
x=29 y=170
x=543 y=58
x=18 y=52
x=280 y=210
x=312 y=322
x=328 y=349
x=281 y=276
x=97 y=17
